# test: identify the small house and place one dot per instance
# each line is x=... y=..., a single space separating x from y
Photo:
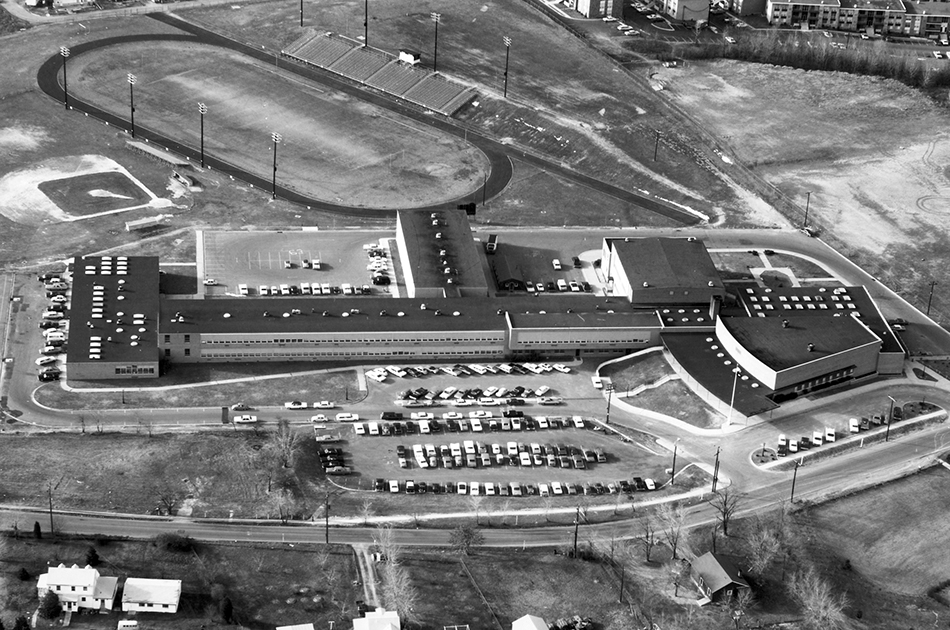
x=411 y=57
x=379 y=619
x=717 y=577
x=529 y=622
x=147 y=595
x=78 y=588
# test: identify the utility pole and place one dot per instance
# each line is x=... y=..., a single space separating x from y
x=276 y=138
x=202 y=110
x=890 y=417
x=798 y=465
x=132 y=80
x=716 y=470
x=326 y=518
x=577 y=520
x=301 y=13
x=807 y=203
x=366 y=22
x=507 y=41
x=50 y=490
x=64 y=51
x=622 y=576
x=656 y=145
x=436 y=17
x=673 y=469
x=609 y=388
x=931 y=298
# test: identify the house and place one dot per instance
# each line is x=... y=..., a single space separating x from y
x=299 y=626
x=529 y=622
x=147 y=595
x=717 y=576
x=379 y=619
x=78 y=587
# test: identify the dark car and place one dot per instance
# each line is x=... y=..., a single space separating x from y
x=381 y=280
x=639 y=484
x=379 y=485
x=586 y=286
x=398 y=428
x=400 y=451
x=576 y=261
x=436 y=427
x=514 y=402
x=512 y=413
x=422 y=487
x=550 y=286
x=411 y=428
x=49 y=324
x=625 y=486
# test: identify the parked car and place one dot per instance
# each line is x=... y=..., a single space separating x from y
x=295 y=404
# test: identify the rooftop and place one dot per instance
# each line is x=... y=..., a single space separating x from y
x=151 y=591
x=938 y=9
x=113 y=310
x=718 y=571
x=819 y=302
x=438 y=240
x=803 y=340
x=356 y=314
x=625 y=318
x=667 y=262
x=72 y=576
x=873 y=5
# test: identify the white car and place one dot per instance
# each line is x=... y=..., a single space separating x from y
x=263 y=290
x=52 y=315
x=421 y=415
x=210 y=282
x=347 y=417
x=452 y=415
x=479 y=414
x=50 y=350
x=323 y=404
x=45 y=360
x=245 y=419
x=58 y=299
x=296 y=404
x=731 y=40
x=320 y=417
x=563 y=369
x=460 y=402
x=609 y=18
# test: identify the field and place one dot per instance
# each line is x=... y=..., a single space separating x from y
x=268 y=586
x=877 y=176
x=333 y=147
x=94 y=193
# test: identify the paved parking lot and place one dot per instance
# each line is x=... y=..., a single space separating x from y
x=259 y=258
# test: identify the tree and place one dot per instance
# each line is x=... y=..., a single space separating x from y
x=400 y=594
x=679 y=573
x=726 y=502
x=366 y=510
x=167 y=493
x=765 y=544
x=21 y=623
x=23 y=575
x=49 y=606
x=672 y=519
x=92 y=557
x=1 y=625
x=386 y=544
x=285 y=443
x=37 y=530
x=821 y=609
x=464 y=537
x=227 y=610
x=647 y=537
x=475 y=501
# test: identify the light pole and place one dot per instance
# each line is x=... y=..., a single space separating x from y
x=277 y=138
x=807 y=203
x=890 y=417
x=931 y=298
x=301 y=13
x=507 y=57
x=673 y=469
x=326 y=518
x=609 y=388
x=656 y=145
x=132 y=80
x=202 y=110
x=366 y=22
x=732 y=403
x=64 y=51
x=716 y=470
x=798 y=464
x=436 y=17
x=577 y=522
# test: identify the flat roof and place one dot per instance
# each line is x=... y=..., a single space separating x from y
x=424 y=251
x=824 y=3
x=698 y=354
x=375 y=314
x=595 y=319
x=935 y=9
x=781 y=347
x=873 y=5
x=151 y=591
x=108 y=295
x=819 y=302
x=667 y=262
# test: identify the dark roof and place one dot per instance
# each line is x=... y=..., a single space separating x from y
x=626 y=318
x=718 y=571
x=698 y=354
x=505 y=272
x=246 y=315
x=126 y=285
x=940 y=9
x=819 y=302
x=805 y=339
x=873 y=5
x=423 y=250
x=667 y=262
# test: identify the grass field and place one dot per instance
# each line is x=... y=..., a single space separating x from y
x=94 y=193
x=675 y=399
x=268 y=586
x=630 y=374
x=333 y=147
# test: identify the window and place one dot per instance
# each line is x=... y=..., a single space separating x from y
x=168 y=338
x=187 y=338
x=168 y=352
x=187 y=352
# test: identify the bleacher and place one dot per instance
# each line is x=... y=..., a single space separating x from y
x=359 y=64
x=380 y=70
x=396 y=78
x=437 y=93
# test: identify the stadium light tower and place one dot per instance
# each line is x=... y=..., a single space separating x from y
x=436 y=17
x=507 y=56
x=64 y=51
x=301 y=13
x=276 y=138
x=366 y=22
x=132 y=80
x=202 y=110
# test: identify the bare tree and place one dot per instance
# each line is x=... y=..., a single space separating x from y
x=647 y=537
x=168 y=494
x=619 y=499
x=546 y=504
x=821 y=609
x=399 y=593
x=279 y=503
x=386 y=544
x=679 y=573
x=765 y=544
x=726 y=502
x=505 y=508
x=476 y=502
x=366 y=510
x=671 y=521
x=464 y=537
x=285 y=443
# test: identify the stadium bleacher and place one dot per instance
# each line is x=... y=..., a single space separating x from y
x=359 y=64
x=437 y=93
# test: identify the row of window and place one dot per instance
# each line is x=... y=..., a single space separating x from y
x=134 y=369
x=827 y=378
x=498 y=338
x=577 y=342
x=219 y=355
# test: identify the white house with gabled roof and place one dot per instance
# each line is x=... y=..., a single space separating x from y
x=78 y=587
x=151 y=595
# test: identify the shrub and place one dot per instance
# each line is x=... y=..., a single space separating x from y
x=175 y=542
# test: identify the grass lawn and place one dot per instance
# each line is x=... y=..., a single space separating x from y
x=336 y=386
x=735 y=265
x=10 y=24
x=800 y=267
x=627 y=375
x=94 y=193
x=675 y=399
x=268 y=586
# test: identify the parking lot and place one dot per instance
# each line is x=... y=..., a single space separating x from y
x=261 y=258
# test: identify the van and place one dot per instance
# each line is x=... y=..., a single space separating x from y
x=469 y=447
x=854 y=425
x=525 y=459
x=830 y=434
x=543 y=490
x=596 y=382
x=556 y=264
x=424 y=427
x=359 y=428
x=285 y=289
x=305 y=288
x=242 y=289
x=347 y=288
x=817 y=438
x=373 y=428
x=325 y=288
x=562 y=285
